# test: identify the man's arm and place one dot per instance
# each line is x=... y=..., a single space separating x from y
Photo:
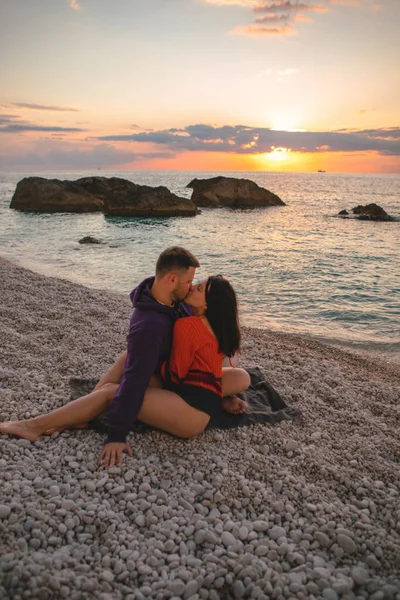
x=142 y=360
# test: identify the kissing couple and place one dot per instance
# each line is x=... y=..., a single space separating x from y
x=171 y=376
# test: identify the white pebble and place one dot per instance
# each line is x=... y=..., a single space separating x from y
x=4 y=511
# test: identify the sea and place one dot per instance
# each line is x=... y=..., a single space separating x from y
x=296 y=269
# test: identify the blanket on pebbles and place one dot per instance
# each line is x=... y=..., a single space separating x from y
x=264 y=405
x=303 y=508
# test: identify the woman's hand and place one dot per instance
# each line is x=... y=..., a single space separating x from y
x=112 y=454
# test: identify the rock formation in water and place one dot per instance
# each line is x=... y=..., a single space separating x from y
x=369 y=212
x=229 y=191
x=123 y=198
x=89 y=239
x=113 y=196
x=52 y=195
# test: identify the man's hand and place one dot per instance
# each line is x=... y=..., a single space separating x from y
x=112 y=454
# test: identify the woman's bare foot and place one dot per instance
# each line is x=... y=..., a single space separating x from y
x=234 y=405
x=22 y=429
x=60 y=429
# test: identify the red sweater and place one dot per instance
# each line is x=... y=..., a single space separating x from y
x=195 y=358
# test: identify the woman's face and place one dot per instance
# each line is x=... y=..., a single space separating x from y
x=197 y=296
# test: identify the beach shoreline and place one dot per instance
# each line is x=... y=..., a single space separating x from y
x=357 y=348
x=298 y=507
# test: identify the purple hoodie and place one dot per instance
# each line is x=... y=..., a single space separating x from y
x=149 y=345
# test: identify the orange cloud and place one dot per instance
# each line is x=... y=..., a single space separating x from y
x=303 y=19
x=348 y=2
x=39 y=107
x=246 y=3
x=279 y=15
x=74 y=5
x=255 y=30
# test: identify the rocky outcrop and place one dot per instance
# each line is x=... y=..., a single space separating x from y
x=52 y=195
x=113 y=196
x=229 y=191
x=124 y=198
x=89 y=239
x=369 y=212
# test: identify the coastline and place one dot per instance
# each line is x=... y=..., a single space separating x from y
x=362 y=349
x=327 y=482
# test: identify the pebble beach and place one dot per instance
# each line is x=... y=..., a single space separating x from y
x=308 y=508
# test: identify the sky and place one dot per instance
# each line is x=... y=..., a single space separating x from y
x=274 y=85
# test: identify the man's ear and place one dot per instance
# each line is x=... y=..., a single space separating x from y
x=172 y=279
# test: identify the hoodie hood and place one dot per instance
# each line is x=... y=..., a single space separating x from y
x=143 y=299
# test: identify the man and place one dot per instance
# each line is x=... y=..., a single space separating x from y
x=158 y=304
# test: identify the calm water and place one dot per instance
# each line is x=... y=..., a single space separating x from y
x=295 y=268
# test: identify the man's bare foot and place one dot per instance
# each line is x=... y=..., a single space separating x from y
x=234 y=405
x=60 y=429
x=21 y=429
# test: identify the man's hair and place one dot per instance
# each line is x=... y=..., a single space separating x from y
x=175 y=258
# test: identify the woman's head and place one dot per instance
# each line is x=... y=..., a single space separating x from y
x=216 y=299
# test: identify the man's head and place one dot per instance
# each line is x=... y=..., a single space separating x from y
x=175 y=270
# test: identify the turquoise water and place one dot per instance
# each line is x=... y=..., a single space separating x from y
x=295 y=268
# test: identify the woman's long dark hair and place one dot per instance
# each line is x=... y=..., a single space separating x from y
x=222 y=314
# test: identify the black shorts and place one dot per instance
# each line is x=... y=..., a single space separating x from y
x=198 y=397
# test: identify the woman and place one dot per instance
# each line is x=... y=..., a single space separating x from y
x=194 y=371
x=192 y=377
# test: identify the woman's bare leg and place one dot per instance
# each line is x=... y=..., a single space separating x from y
x=80 y=410
x=234 y=381
x=168 y=411
x=114 y=373
x=155 y=382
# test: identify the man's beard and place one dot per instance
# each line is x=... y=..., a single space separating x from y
x=176 y=296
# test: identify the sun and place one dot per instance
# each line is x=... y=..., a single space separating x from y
x=277 y=154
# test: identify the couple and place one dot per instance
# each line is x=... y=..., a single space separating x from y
x=171 y=376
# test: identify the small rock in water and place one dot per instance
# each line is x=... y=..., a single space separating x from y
x=89 y=239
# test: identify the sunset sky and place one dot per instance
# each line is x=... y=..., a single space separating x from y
x=296 y=85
